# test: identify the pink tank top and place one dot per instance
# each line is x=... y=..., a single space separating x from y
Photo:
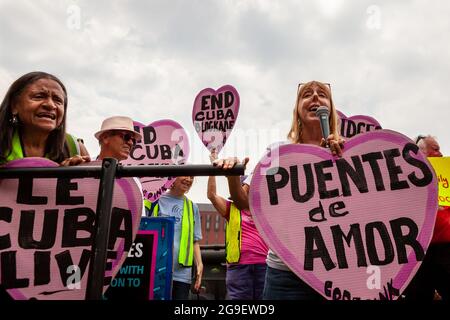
x=253 y=248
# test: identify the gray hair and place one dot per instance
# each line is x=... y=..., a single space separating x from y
x=420 y=141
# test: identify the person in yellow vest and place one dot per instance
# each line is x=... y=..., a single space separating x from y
x=33 y=122
x=245 y=249
x=187 y=235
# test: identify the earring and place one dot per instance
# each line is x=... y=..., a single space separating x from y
x=14 y=120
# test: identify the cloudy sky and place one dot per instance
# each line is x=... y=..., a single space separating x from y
x=149 y=59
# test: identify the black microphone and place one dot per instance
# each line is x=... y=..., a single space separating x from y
x=323 y=114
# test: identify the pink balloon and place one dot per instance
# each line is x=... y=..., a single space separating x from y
x=381 y=195
x=163 y=142
x=351 y=126
x=214 y=115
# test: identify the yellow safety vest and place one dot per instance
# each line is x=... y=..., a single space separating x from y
x=148 y=205
x=186 y=253
x=17 y=152
x=233 y=235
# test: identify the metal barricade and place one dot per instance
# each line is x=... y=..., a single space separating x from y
x=107 y=172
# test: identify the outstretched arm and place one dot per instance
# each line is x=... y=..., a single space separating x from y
x=239 y=193
x=77 y=159
x=83 y=150
x=218 y=202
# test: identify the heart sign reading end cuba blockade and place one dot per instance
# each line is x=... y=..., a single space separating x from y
x=352 y=227
x=214 y=115
x=351 y=126
x=47 y=229
x=164 y=142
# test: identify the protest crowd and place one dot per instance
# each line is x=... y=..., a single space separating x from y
x=259 y=265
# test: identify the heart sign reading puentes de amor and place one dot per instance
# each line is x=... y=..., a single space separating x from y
x=164 y=142
x=214 y=115
x=352 y=227
x=351 y=126
x=47 y=230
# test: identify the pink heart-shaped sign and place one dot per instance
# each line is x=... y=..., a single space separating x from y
x=351 y=126
x=355 y=227
x=47 y=227
x=214 y=115
x=163 y=142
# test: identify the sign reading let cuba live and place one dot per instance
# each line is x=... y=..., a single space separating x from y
x=47 y=229
x=352 y=227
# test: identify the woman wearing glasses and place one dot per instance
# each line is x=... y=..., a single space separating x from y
x=281 y=283
x=117 y=138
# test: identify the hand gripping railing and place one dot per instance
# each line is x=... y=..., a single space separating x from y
x=107 y=172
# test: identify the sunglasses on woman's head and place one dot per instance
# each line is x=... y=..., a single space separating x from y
x=303 y=83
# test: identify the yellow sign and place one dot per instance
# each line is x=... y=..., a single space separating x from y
x=441 y=166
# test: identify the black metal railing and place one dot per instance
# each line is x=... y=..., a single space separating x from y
x=107 y=172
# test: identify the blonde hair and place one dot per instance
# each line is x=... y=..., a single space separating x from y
x=295 y=134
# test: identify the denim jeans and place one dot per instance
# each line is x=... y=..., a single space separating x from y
x=433 y=274
x=180 y=290
x=245 y=281
x=285 y=285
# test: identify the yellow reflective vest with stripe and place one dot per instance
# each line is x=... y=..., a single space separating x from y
x=186 y=253
x=233 y=235
x=17 y=152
